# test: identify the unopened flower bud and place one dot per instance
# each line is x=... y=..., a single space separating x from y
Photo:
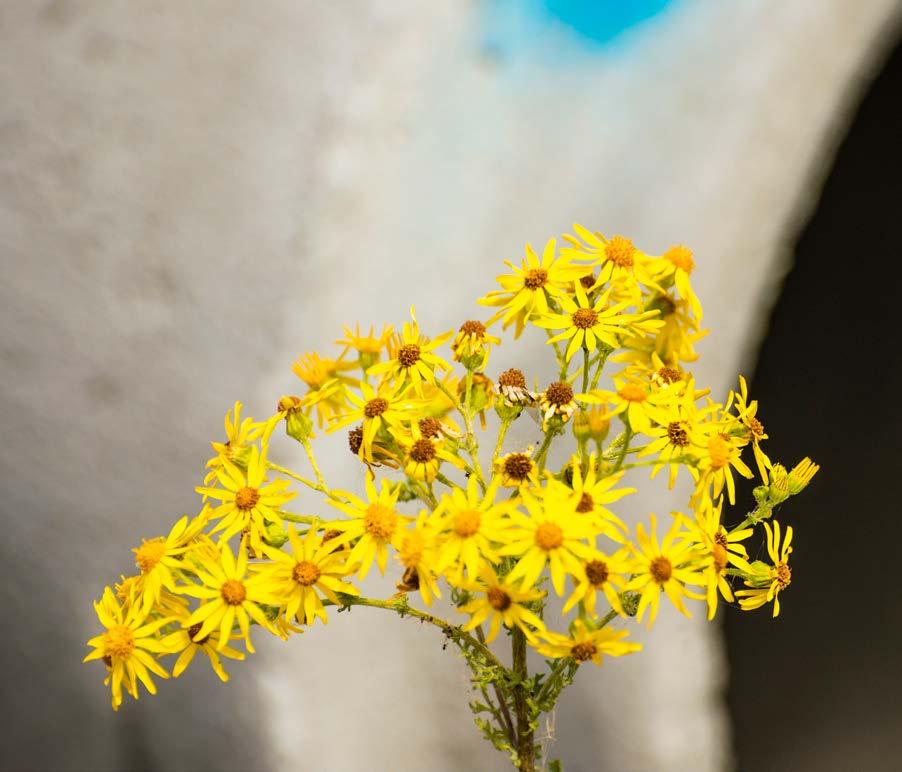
x=801 y=475
x=275 y=535
x=581 y=428
x=779 y=484
x=297 y=423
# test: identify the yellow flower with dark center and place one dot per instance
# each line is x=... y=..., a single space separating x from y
x=424 y=455
x=513 y=388
x=501 y=602
x=559 y=400
x=592 y=492
x=386 y=408
x=674 y=267
x=528 y=291
x=585 y=644
x=375 y=524
x=295 y=579
x=666 y=566
x=237 y=447
x=769 y=583
x=157 y=558
x=600 y=573
x=183 y=641
x=517 y=469
x=127 y=647
x=412 y=359
x=677 y=441
x=246 y=501
x=417 y=553
x=368 y=346
x=747 y=413
x=470 y=525
x=228 y=596
x=717 y=459
x=586 y=324
x=552 y=535
x=471 y=345
x=620 y=260
x=640 y=405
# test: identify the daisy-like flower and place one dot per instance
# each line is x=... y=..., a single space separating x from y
x=747 y=412
x=368 y=346
x=527 y=291
x=587 y=324
x=469 y=525
x=636 y=400
x=158 y=558
x=296 y=579
x=502 y=603
x=416 y=552
x=438 y=428
x=227 y=595
x=127 y=647
x=593 y=492
x=585 y=644
x=237 y=447
x=412 y=358
x=618 y=257
x=551 y=535
x=513 y=388
x=718 y=457
x=676 y=339
x=246 y=501
x=424 y=455
x=767 y=583
x=666 y=566
x=471 y=345
x=183 y=641
x=388 y=407
x=675 y=266
x=325 y=384
x=517 y=469
x=559 y=400
x=376 y=524
x=723 y=549
x=677 y=440
x=600 y=573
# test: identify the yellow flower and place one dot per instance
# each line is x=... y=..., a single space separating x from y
x=675 y=266
x=559 y=400
x=552 y=535
x=376 y=524
x=471 y=345
x=747 y=412
x=618 y=257
x=416 y=552
x=412 y=358
x=324 y=383
x=718 y=458
x=246 y=502
x=469 y=525
x=127 y=647
x=770 y=582
x=584 y=644
x=517 y=469
x=664 y=566
x=609 y=574
x=586 y=324
x=369 y=346
x=592 y=493
x=501 y=602
x=183 y=641
x=157 y=558
x=527 y=292
x=640 y=405
x=292 y=580
x=237 y=447
x=513 y=388
x=423 y=455
x=722 y=549
x=677 y=440
x=388 y=407
x=228 y=596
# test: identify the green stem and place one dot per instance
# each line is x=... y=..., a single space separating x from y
x=319 y=475
x=543 y=449
x=502 y=433
x=526 y=749
x=601 y=362
x=309 y=483
x=623 y=449
x=585 y=370
x=507 y=723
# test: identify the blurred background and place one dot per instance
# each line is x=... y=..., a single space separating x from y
x=191 y=195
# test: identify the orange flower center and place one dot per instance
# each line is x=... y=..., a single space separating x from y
x=149 y=554
x=119 y=641
x=549 y=536
x=512 y=377
x=633 y=392
x=380 y=522
x=517 y=466
x=422 y=451
x=677 y=434
x=661 y=569
x=467 y=522
x=409 y=354
x=247 y=498
x=375 y=407
x=681 y=257
x=498 y=599
x=584 y=318
x=233 y=592
x=719 y=450
x=620 y=251
x=584 y=651
x=784 y=574
x=719 y=553
x=473 y=327
x=305 y=573
x=535 y=278
x=559 y=393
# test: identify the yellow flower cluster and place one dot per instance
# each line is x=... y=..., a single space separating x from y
x=500 y=535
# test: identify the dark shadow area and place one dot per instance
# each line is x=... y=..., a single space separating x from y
x=819 y=687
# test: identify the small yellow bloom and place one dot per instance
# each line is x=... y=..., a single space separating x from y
x=620 y=260
x=585 y=644
x=325 y=382
x=675 y=266
x=158 y=558
x=417 y=553
x=600 y=572
x=501 y=602
x=471 y=345
x=368 y=346
x=237 y=447
x=768 y=585
x=183 y=641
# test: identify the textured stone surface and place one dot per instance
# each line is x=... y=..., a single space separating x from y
x=192 y=194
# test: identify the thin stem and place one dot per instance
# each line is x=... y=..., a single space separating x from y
x=309 y=483
x=472 y=444
x=543 y=449
x=502 y=433
x=601 y=362
x=507 y=722
x=307 y=519
x=445 y=481
x=623 y=449
x=319 y=475
x=525 y=736
x=585 y=370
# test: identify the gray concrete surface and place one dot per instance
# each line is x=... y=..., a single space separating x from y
x=193 y=194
